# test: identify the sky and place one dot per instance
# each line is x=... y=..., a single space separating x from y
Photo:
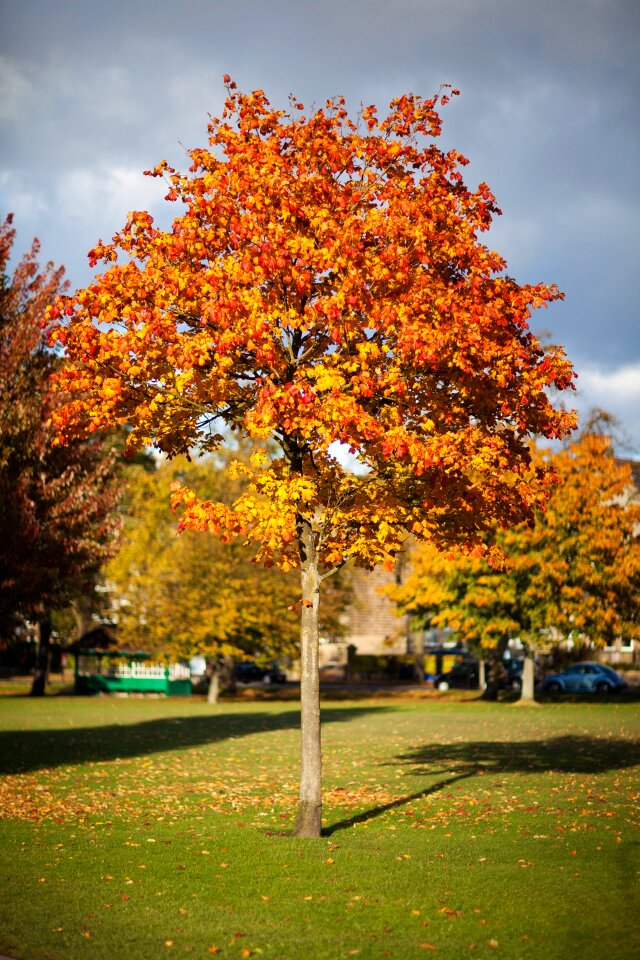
x=92 y=94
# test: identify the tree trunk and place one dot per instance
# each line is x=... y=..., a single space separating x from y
x=41 y=673
x=528 y=678
x=490 y=691
x=227 y=674
x=482 y=674
x=82 y=607
x=309 y=817
x=496 y=671
x=416 y=643
x=214 y=685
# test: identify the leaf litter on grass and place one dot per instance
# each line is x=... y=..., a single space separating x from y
x=110 y=790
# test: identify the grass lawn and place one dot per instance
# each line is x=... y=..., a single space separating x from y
x=139 y=829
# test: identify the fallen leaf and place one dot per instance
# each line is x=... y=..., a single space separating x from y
x=493 y=943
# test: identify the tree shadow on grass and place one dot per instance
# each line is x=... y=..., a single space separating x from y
x=461 y=761
x=22 y=751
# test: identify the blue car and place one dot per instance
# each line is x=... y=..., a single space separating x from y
x=584 y=678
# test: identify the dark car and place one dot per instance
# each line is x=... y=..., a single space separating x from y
x=585 y=677
x=462 y=676
x=466 y=676
x=247 y=671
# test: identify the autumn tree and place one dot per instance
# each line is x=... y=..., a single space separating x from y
x=465 y=593
x=576 y=571
x=181 y=596
x=323 y=284
x=57 y=520
x=579 y=567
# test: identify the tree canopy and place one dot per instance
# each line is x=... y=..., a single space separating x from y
x=325 y=283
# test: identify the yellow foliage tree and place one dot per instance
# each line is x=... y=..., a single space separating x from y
x=178 y=596
x=575 y=571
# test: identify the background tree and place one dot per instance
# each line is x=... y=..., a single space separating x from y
x=466 y=594
x=580 y=565
x=57 y=520
x=182 y=596
x=324 y=283
x=575 y=572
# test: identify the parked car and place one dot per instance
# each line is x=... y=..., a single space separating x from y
x=584 y=677
x=247 y=671
x=462 y=676
x=465 y=675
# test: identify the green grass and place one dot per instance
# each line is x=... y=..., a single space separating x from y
x=151 y=829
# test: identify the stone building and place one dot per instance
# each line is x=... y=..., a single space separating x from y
x=370 y=623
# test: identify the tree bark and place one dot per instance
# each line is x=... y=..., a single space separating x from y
x=416 y=643
x=82 y=607
x=528 y=678
x=227 y=674
x=309 y=817
x=41 y=673
x=214 y=685
x=496 y=667
x=482 y=674
x=490 y=691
